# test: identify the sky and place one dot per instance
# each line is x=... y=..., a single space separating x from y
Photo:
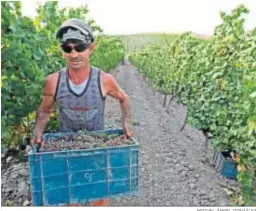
x=139 y=16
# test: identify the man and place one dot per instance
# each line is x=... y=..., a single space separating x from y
x=79 y=90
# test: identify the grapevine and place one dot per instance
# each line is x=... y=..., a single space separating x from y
x=215 y=79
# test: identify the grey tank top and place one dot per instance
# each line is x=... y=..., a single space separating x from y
x=84 y=111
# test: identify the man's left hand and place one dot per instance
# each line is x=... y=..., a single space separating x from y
x=128 y=132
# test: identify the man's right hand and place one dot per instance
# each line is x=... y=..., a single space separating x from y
x=36 y=140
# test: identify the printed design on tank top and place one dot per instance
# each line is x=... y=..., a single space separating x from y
x=81 y=115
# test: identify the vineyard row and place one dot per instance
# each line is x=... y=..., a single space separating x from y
x=215 y=79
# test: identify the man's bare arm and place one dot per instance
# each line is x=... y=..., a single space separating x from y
x=116 y=92
x=45 y=109
x=42 y=117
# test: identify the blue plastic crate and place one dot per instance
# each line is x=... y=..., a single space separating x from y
x=229 y=169
x=225 y=165
x=85 y=175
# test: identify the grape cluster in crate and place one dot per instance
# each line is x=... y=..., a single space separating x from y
x=84 y=141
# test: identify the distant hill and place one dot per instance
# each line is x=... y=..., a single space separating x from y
x=141 y=40
x=152 y=34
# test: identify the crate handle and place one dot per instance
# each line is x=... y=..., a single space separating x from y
x=88 y=176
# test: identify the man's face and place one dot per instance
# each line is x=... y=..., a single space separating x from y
x=78 y=55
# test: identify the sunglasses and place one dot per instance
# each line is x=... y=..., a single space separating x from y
x=78 y=48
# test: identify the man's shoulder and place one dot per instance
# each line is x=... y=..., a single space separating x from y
x=108 y=78
x=53 y=77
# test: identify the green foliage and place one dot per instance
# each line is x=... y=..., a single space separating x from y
x=108 y=53
x=30 y=52
x=215 y=79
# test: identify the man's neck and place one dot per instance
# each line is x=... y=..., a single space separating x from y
x=78 y=76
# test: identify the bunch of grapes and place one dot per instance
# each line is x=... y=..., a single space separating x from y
x=84 y=141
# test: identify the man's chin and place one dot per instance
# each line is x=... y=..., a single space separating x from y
x=75 y=66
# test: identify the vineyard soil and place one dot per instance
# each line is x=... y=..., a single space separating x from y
x=172 y=171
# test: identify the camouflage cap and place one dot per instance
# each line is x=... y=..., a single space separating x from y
x=77 y=24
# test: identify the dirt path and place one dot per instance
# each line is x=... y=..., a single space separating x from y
x=171 y=169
